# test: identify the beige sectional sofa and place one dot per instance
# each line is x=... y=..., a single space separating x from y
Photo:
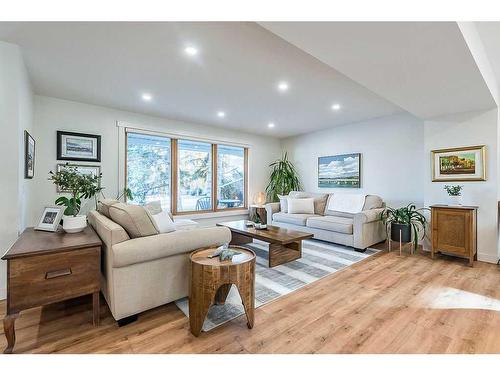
x=142 y=269
x=359 y=230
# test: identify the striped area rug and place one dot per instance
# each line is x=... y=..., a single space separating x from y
x=319 y=259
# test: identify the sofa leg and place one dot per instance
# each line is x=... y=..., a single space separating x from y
x=360 y=250
x=127 y=320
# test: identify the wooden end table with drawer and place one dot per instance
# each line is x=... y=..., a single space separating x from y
x=49 y=267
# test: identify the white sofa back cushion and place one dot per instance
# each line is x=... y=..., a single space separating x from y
x=350 y=203
x=163 y=222
x=300 y=206
x=283 y=203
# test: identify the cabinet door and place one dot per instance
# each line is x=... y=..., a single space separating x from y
x=451 y=231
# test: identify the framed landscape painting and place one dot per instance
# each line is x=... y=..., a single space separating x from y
x=339 y=171
x=459 y=164
x=78 y=146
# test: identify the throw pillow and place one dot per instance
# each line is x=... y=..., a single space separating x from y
x=104 y=205
x=154 y=208
x=301 y=206
x=283 y=203
x=163 y=222
x=136 y=220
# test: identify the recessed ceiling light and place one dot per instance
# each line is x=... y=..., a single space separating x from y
x=336 y=107
x=191 y=51
x=147 y=97
x=283 y=86
x=270 y=125
x=221 y=114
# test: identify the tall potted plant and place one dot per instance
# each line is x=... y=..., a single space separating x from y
x=79 y=186
x=403 y=221
x=283 y=179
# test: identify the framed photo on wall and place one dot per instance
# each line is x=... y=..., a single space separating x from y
x=92 y=170
x=339 y=171
x=29 y=155
x=51 y=216
x=459 y=164
x=78 y=146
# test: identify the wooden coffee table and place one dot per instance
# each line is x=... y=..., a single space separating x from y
x=285 y=245
x=211 y=281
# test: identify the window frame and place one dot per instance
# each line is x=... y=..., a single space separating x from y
x=174 y=183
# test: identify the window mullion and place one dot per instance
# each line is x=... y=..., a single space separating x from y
x=214 y=178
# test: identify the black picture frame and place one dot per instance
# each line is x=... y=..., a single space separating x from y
x=93 y=137
x=29 y=172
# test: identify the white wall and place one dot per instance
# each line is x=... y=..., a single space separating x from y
x=469 y=129
x=55 y=114
x=15 y=117
x=391 y=161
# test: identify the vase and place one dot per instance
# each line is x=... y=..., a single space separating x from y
x=456 y=200
x=74 y=224
x=403 y=230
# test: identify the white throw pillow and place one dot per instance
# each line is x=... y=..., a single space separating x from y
x=283 y=203
x=300 y=206
x=163 y=222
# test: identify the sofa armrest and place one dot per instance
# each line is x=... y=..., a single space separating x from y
x=368 y=228
x=272 y=208
x=110 y=232
x=369 y=215
x=144 y=249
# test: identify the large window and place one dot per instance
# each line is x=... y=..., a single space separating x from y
x=230 y=176
x=148 y=169
x=185 y=175
x=194 y=176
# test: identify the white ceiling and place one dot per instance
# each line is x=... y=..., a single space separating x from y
x=489 y=32
x=425 y=68
x=237 y=70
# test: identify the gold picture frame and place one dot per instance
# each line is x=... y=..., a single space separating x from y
x=459 y=164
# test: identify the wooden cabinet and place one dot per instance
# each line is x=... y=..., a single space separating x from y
x=46 y=267
x=454 y=231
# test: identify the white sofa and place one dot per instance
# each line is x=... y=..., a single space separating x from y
x=141 y=273
x=359 y=230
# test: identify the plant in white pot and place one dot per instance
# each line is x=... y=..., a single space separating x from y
x=79 y=186
x=455 y=194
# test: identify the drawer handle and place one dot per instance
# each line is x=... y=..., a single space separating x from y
x=58 y=273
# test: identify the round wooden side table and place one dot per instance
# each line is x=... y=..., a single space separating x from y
x=211 y=281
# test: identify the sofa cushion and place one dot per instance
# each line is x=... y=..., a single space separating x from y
x=331 y=223
x=296 y=219
x=163 y=222
x=136 y=220
x=319 y=200
x=372 y=202
x=283 y=203
x=300 y=206
x=139 y=250
x=104 y=205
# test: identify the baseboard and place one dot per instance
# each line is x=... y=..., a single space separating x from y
x=488 y=258
x=3 y=294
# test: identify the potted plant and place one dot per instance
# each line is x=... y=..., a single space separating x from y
x=79 y=186
x=455 y=194
x=403 y=221
x=284 y=178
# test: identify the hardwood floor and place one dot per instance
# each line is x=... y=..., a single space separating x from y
x=385 y=304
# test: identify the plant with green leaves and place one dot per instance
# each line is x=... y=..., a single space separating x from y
x=283 y=179
x=79 y=186
x=454 y=190
x=409 y=215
